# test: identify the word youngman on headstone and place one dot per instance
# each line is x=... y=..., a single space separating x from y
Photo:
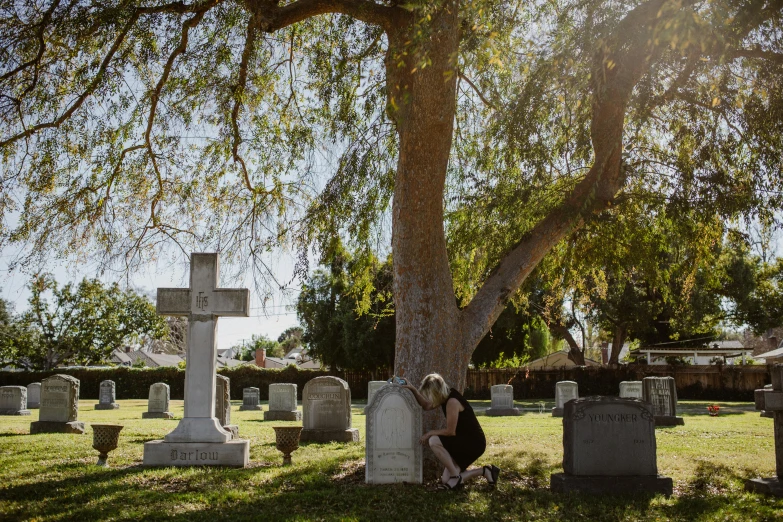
x=393 y=427
x=326 y=404
x=59 y=410
x=609 y=447
x=199 y=439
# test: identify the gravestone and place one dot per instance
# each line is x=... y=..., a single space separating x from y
x=282 y=403
x=13 y=400
x=765 y=414
x=107 y=397
x=662 y=394
x=158 y=402
x=393 y=427
x=33 y=395
x=609 y=447
x=502 y=401
x=326 y=407
x=631 y=390
x=223 y=404
x=771 y=400
x=251 y=398
x=564 y=392
x=59 y=409
x=199 y=439
x=372 y=387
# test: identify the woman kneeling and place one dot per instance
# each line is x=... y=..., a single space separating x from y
x=462 y=442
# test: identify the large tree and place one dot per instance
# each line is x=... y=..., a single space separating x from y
x=127 y=124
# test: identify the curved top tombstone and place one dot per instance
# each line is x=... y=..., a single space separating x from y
x=393 y=453
x=326 y=404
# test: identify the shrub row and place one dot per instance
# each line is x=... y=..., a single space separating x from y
x=134 y=383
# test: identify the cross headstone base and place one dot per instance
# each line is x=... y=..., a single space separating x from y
x=234 y=453
x=198 y=429
x=105 y=406
x=57 y=427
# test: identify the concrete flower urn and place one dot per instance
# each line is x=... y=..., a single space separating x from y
x=287 y=440
x=104 y=439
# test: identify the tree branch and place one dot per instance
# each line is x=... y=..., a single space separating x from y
x=239 y=91
x=275 y=18
x=757 y=52
x=618 y=67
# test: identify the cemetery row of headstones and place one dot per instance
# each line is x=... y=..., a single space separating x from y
x=609 y=442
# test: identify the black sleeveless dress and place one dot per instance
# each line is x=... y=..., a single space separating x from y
x=469 y=442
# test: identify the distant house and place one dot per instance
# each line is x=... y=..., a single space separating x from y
x=296 y=357
x=772 y=357
x=150 y=360
x=557 y=360
x=730 y=352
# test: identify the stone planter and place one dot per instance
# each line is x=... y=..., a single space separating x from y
x=287 y=440
x=104 y=439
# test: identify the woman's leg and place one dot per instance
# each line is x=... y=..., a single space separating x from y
x=442 y=454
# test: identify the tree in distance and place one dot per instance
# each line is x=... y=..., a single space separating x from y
x=485 y=132
x=79 y=324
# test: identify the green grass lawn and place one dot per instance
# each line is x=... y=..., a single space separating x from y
x=53 y=477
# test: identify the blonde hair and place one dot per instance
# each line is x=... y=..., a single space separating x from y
x=435 y=389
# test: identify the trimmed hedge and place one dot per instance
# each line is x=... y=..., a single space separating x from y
x=134 y=383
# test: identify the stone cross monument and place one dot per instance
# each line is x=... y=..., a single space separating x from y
x=199 y=439
x=772 y=401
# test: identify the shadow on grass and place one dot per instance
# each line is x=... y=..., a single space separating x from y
x=335 y=490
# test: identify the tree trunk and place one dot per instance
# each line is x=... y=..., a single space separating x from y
x=422 y=102
x=620 y=334
x=575 y=353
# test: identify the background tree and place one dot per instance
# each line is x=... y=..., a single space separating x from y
x=247 y=349
x=124 y=125
x=348 y=313
x=291 y=338
x=81 y=324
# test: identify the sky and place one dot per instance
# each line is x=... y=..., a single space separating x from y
x=231 y=330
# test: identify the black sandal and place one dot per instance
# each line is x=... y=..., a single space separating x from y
x=494 y=472
x=444 y=486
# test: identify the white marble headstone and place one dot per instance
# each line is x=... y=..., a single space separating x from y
x=393 y=453
x=564 y=392
x=33 y=395
x=159 y=398
x=631 y=390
